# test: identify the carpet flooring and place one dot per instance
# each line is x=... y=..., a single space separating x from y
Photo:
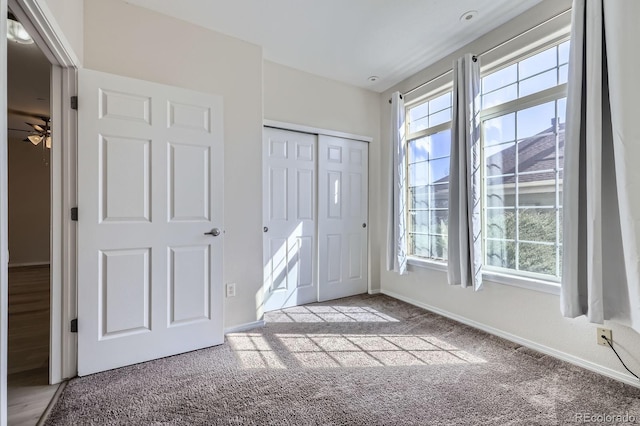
x=364 y=360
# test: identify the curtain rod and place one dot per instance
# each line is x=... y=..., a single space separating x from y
x=475 y=57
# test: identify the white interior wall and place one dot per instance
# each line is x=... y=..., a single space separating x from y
x=530 y=317
x=297 y=97
x=131 y=41
x=67 y=21
x=29 y=203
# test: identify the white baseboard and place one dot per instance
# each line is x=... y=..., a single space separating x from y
x=18 y=265
x=244 y=327
x=376 y=291
x=596 y=368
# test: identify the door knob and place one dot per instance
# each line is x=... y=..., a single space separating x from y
x=364 y=225
x=265 y=229
x=214 y=232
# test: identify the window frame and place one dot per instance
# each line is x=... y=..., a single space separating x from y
x=548 y=95
x=448 y=87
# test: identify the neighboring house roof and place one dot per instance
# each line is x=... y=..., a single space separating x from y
x=535 y=154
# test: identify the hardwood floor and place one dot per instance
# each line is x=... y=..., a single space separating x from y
x=28 y=318
x=28 y=389
x=28 y=395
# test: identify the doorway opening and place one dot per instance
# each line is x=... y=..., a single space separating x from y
x=29 y=212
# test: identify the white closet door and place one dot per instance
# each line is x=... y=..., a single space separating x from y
x=342 y=217
x=289 y=213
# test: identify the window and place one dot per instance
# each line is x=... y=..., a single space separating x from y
x=428 y=148
x=523 y=121
x=522 y=128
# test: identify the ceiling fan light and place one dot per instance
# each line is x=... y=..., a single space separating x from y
x=17 y=33
x=35 y=139
x=47 y=142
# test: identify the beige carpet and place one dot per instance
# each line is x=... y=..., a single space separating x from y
x=365 y=360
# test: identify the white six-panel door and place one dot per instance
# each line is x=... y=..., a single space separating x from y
x=150 y=182
x=289 y=218
x=342 y=217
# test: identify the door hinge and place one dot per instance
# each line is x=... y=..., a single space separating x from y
x=74 y=102
x=74 y=325
x=74 y=214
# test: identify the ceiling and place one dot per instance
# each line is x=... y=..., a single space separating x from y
x=348 y=40
x=28 y=90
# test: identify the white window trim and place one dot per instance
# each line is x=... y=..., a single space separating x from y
x=529 y=283
x=519 y=278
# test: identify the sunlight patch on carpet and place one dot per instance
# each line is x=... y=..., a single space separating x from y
x=306 y=314
x=345 y=350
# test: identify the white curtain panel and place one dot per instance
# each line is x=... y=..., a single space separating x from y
x=465 y=240
x=601 y=231
x=396 y=225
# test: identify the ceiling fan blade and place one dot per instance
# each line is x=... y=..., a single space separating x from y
x=27 y=114
x=20 y=130
x=37 y=127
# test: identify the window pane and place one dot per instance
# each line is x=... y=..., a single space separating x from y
x=500 y=129
x=440 y=144
x=418 y=150
x=501 y=224
x=439 y=221
x=419 y=245
x=560 y=222
x=538 y=82
x=562 y=108
x=536 y=121
x=500 y=159
x=537 y=225
x=420 y=221
x=419 y=174
x=439 y=196
x=440 y=103
x=439 y=247
x=440 y=117
x=563 y=53
x=500 y=78
x=439 y=170
x=500 y=96
x=421 y=124
x=418 y=198
x=418 y=112
x=537 y=258
x=563 y=74
x=537 y=63
x=537 y=154
x=537 y=189
x=501 y=254
x=500 y=191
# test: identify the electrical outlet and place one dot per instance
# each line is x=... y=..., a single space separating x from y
x=607 y=333
x=231 y=289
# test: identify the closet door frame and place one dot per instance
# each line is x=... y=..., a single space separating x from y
x=320 y=132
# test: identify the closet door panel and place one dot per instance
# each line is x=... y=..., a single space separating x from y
x=343 y=215
x=289 y=219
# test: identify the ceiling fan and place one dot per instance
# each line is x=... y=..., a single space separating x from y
x=40 y=132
